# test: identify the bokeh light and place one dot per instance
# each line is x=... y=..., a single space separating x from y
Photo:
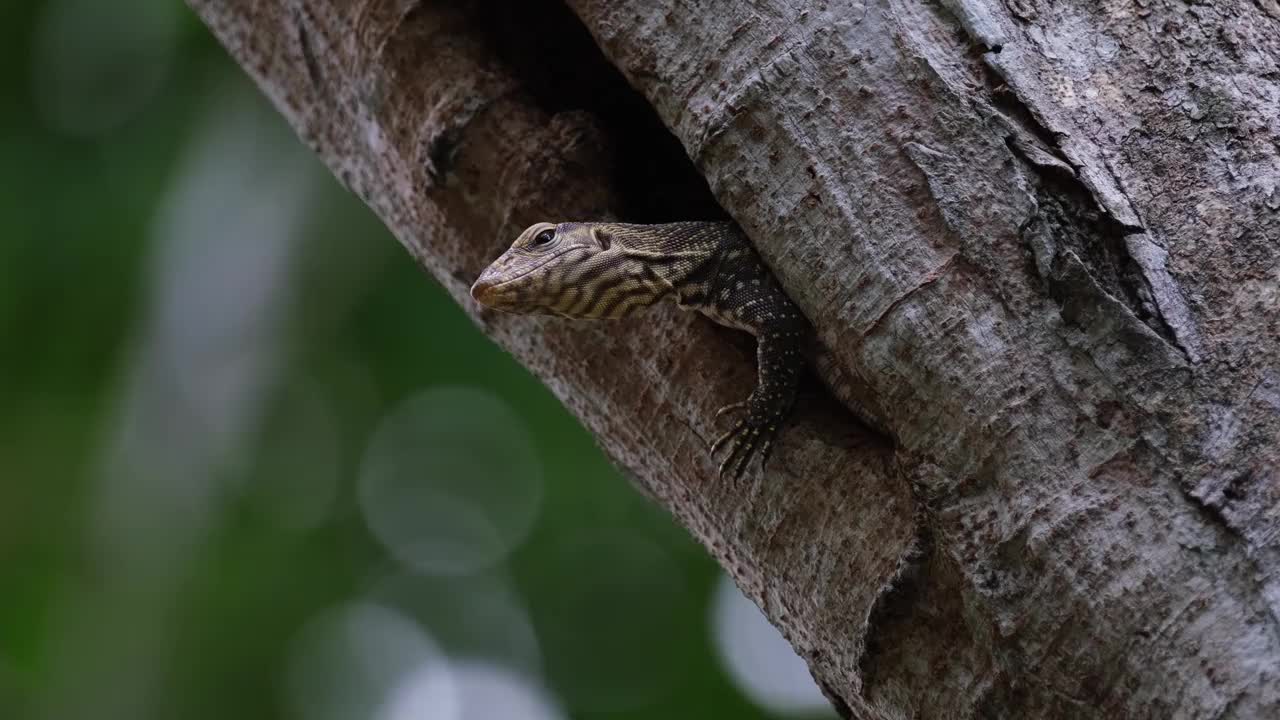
x=450 y=482
x=759 y=660
x=479 y=616
x=468 y=691
x=362 y=661
x=207 y=351
x=425 y=693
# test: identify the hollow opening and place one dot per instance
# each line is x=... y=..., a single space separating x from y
x=546 y=47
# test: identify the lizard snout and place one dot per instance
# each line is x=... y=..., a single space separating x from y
x=485 y=288
x=495 y=288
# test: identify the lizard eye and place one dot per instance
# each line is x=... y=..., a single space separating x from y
x=543 y=239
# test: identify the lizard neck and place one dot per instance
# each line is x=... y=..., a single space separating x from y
x=657 y=261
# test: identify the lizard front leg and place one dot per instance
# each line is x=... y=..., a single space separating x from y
x=609 y=270
x=779 y=361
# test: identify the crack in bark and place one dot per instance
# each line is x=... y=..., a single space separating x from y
x=1109 y=255
x=1079 y=221
x=314 y=74
x=896 y=598
x=929 y=278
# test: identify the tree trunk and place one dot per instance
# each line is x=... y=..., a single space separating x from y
x=1045 y=239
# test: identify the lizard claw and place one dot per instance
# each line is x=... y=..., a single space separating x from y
x=733 y=461
x=766 y=449
x=731 y=407
x=746 y=444
x=752 y=436
x=729 y=435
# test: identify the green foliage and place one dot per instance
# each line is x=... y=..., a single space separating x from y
x=191 y=605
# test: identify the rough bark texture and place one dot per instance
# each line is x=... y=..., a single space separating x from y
x=1045 y=238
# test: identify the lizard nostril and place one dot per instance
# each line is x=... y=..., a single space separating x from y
x=482 y=289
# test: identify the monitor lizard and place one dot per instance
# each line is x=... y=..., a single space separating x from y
x=605 y=270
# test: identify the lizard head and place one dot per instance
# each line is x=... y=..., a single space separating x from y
x=547 y=270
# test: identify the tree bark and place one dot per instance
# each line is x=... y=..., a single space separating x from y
x=1045 y=240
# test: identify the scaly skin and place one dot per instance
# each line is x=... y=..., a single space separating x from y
x=611 y=270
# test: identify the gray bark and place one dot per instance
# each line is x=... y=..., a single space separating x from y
x=1046 y=241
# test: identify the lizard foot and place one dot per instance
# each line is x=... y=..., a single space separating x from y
x=751 y=436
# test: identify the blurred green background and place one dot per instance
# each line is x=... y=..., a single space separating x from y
x=255 y=464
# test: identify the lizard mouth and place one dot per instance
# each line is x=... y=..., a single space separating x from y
x=492 y=287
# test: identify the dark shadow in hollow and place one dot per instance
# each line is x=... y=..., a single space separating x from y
x=546 y=47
